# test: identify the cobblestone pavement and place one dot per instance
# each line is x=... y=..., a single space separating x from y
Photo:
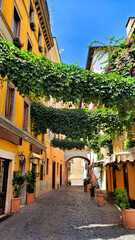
x=65 y=214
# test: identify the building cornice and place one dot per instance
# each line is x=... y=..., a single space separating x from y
x=42 y=11
x=5 y=123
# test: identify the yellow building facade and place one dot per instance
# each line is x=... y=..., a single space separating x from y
x=28 y=23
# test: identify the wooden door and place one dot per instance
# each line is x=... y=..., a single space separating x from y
x=53 y=175
x=4 y=164
x=61 y=175
x=125 y=172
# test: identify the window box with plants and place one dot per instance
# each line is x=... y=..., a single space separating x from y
x=17 y=42
x=33 y=26
x=30 y=185
x=40 y=49
x=128 y=214
x=17 y=182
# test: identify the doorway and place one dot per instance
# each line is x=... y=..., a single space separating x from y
x=4 y=165
x=125 y=172
x=61 y=175
x=53 y=175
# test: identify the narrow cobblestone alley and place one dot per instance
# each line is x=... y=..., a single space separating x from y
x=67 y=213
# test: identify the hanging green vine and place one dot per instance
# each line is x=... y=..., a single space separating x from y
x=38 y=76
x=77 y=123
x=67 y=144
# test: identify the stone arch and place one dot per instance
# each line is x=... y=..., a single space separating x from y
x=77 y=157
x=76 y=154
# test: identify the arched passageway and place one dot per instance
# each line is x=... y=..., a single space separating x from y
x=75 y=167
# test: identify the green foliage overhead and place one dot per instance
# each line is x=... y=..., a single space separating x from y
x=38 y=76
x=75 y=123
x=67 y=144
x=121 y=198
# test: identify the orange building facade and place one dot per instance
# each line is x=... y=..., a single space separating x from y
x=27 y=23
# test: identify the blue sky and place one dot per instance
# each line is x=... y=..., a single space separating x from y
x=76 y=23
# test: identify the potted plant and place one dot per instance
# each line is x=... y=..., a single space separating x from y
x=69 y=182
x=40 y=49
x=33 y=26
x=100 y=199
x=30 y=185
x=85 y=182
x=17 y=42
x=128 y=214
x=17 y=182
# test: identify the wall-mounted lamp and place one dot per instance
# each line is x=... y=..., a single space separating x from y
x=21 y=157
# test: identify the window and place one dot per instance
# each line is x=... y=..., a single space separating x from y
x=54 y=135
x=35 y=135
x=31 y=12
x=29 y=46
x=45 y=51
x=1 y=1
x=47 y=166
x=16 y=27
x=40 y=41
x=57 y=169
x=43 y=139
x=41 y=172
x=9 y=102
x=25 y=116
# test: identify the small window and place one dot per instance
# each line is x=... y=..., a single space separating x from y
x=45 y=51
x=9 y=102
x=31 y=12
x=29 y=46
x=43 y=138
x=57 y=169
x=47 y=166
x=16 y=27
x=1 y=3
x=40 y=41
x=54 y=135
x=41 y=172
x=35 y=135
x=25 y=116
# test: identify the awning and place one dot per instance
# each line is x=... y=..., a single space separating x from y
x=35 y=158
x=36 y=155
x=128 y=155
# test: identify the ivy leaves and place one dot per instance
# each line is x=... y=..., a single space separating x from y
x=38 y=76
x=76 y=124
x=67 y=144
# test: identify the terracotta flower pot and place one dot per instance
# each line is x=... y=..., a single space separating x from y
x=15 y=204
x=30 y=198
x=92 y=192
x=128 y=218
x=100 y=200
x=85 y=188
